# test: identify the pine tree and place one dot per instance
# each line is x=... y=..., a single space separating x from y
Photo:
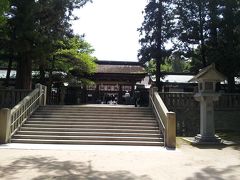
x=155 y=32
x=229 y=41
x=191 y=26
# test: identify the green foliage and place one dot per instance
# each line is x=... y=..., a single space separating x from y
x=150 y=67
x=4 y=6
x=171 y=64
x=209 y=31
x=34 y=30
x=203 y=32
x=156 y=30
x=191 y=26
x=75 y=57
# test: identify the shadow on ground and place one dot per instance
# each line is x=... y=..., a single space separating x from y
x=216 y=174
x=181 y=141
x=219 y=147
x=51 y=168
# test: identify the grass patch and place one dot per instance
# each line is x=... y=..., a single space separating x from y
x=180 y=142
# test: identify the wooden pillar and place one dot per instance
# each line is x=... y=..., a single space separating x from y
x=97 y=94
x=120 y=94
x=62 y=95
x=85 y=94
x=132 y=91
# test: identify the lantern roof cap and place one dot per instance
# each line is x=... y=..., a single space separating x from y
x=209 y=73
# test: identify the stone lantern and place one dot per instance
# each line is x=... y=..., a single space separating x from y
x=207 y=80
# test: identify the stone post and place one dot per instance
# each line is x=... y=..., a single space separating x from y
x=45 y=95
x=171 y=130
x=43 y=98
x=151 y=93
x=5 y=124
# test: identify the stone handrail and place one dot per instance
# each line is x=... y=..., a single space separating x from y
x=12 y=119
x=166 y=119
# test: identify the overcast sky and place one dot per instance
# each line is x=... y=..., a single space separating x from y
x=110 y=26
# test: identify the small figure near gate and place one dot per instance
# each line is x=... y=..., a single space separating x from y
x=137 y=98
x=127 y=98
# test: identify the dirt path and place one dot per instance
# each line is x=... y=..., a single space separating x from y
x=119 y=163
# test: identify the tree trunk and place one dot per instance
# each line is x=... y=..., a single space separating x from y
x=159 y=47
x=42 y=74
x=158 y=74
x=201 y=24
x=213 y=22
x=230 y=54
x=24 y=73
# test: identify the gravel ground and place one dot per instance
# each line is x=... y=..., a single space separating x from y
x=37 y=162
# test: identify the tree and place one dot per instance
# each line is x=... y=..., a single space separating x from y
x=155 y=32
x=174 y=63
x=208 y=31
x=72 y=59
x=37 y=26
x=75 y=58
x=228 y=46
x=191 y=29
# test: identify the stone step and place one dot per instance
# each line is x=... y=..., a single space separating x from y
x=92 y=126
x=91 y=117
x=115 y=114
x=88 y=142
x=97 y=108
x=115 y=108
x=118 y=134
x=79 y=114
x=109 y=130
x=93 y=120
x=97 y=138
x=47 y=121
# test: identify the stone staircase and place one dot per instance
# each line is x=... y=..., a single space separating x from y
x=91 y=125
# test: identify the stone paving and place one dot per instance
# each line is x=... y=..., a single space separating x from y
x=37 y=162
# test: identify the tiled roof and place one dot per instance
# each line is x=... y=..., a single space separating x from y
x=120 y=68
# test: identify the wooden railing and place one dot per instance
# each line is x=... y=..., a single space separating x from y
x=10 y=97
x=12 y=119
x=166 y=119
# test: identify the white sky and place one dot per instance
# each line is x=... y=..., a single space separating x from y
x=110 y=26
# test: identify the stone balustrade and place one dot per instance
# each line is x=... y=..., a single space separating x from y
x=12 y=119
x=166 y=119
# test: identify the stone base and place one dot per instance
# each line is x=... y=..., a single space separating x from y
x=199 y=139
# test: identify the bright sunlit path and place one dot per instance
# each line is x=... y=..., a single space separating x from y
x=110 y=26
